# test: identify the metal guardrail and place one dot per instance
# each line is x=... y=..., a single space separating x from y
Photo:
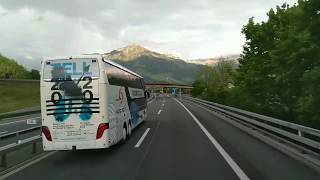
x=20 y=112
x=295 y=132
x=4 y=150
x=20 y=80
x=17 y=133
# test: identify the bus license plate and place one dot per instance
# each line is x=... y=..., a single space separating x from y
x=73 y=133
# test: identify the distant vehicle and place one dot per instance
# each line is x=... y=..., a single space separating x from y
x=89 y=102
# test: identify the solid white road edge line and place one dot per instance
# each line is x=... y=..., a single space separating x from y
x=224 y=154
x=142 y=138
x=3 y=132
x=27 y=165
x=150 y=101
x=19 y=121
x=159 y=112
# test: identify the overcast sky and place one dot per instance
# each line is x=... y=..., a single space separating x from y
x=33 y=29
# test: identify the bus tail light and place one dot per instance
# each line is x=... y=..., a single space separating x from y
x=102 y=127
x=46 y=132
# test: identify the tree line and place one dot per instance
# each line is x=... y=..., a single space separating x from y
x=10 y=69
x=279 y=69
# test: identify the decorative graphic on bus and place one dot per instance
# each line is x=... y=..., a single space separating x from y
x=120 y=96
x=85 y=113
x=60 y=114
x=66 y=78
x=66 y=106
x=134 y=111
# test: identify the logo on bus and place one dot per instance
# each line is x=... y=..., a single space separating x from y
x=120 y=96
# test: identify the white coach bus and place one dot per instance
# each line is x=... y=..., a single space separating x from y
x=89 y=102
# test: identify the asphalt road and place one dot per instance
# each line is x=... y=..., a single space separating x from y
x=177 y=145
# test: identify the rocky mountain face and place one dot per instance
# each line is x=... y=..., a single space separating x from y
x=213 y=61
x=134 y=51
x=153 y=66
x=158 y=67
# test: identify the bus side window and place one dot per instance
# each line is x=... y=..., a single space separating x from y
x=141 y=83
x=119 y=77
x=112 y=75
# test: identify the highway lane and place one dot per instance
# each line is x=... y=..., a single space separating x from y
x=18 y=123
x=180 y=150
x=175 y=147
x=256 y=158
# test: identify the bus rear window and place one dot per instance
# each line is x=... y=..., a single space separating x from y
x=70 y=69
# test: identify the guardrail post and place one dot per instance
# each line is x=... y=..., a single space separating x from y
x=300 y=133
x=4 y=160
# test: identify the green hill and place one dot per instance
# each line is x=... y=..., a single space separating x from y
x=10 y=69
x=17 y=94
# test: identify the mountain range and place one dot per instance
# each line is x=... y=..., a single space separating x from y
x=158 y=67
x=154 y=66
x=212 y=61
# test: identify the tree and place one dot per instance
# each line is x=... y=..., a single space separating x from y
x=34 y=74
x=279 y=71
x=279 y=67
x=213 y=83
x=10 y=69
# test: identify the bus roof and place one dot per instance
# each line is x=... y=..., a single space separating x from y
x=121 y=67
x=95 y=56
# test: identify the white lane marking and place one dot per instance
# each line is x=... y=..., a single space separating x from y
x=27 y=165
x=150 y=101
x=159 y=112
x=2 y=124
x=235 y=167
x=142 y=138
x=3 y=132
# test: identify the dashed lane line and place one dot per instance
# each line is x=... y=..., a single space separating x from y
x=142 y=138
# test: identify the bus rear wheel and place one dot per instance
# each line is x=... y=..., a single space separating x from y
x=124 y=134
x=129 y=130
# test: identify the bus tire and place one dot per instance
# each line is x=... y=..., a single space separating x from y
x=129 y=129
x=124 y=134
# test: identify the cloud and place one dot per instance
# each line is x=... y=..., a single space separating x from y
x=33 y=29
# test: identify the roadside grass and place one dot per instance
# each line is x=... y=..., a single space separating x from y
x=18 y=95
